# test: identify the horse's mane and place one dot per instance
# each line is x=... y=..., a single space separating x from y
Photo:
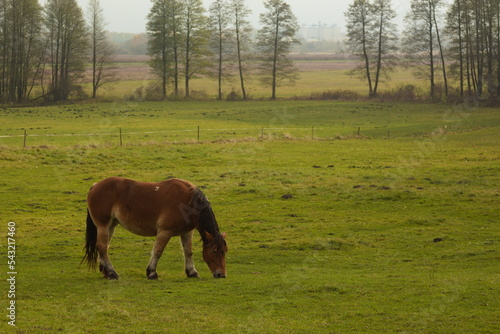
x=207 y=221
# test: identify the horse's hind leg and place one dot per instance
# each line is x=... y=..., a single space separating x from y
x=187 y=245
x=104 y=235
x=162 y=239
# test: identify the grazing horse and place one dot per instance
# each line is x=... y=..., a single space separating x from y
x=165 y=209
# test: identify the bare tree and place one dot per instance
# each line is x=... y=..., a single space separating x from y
x=197 y=35
x=455 y=29
x=221 y=41
x=102 y=50
x=274 y=42
x=386 y=40
x=68 y=45
x=21 y=47
x=360 y=37
x=497 y=41
x=421 y=40
x=164 y=28
x=371 y=38
x=435 y=10
x=490 y=27
x=473 y=27
x=242 y=32
x=159 y=48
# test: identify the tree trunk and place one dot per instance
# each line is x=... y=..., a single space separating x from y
x=479 y=50
x=240 y=62
x=186 y=66
x=498 y=50
x=240 y=70
x=367 y=61
x=489 y=37
x=431 y=53
x=221 y=60
x=94 y=62
x=460 y=47
x=164 y=76
x=441 y=53
x=379 y=53
x=275 y=60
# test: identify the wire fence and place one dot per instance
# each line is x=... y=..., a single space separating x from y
x=120 y=137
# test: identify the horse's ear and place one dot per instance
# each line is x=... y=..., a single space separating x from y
x=209 y=236
x=224 y=235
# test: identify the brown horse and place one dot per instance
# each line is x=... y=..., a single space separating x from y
x=165 y=209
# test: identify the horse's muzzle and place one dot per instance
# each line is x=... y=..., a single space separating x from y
x=219 y=274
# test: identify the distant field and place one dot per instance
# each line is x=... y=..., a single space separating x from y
x=316 y=75
x=171 y=122
x=379 y=233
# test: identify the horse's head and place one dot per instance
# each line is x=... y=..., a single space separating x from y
x=214 y=254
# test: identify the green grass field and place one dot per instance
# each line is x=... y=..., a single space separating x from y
x=380 y=235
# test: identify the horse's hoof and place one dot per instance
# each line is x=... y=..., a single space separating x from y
x=112 y=275
x=153 y=276
x=192 y=275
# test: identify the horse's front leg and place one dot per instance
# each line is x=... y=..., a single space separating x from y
x=162 y=239
x=187 y=245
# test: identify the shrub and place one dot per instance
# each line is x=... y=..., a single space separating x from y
x=233 y=96
x=154 y=92
x=338 y=94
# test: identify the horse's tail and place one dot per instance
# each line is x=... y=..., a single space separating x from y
x=90 y=243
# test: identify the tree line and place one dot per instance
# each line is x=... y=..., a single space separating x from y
x=185 y=41
x=45 y=50
x=459 y=42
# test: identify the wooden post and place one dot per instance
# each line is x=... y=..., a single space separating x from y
x=312 y=133
x=198 y=133
x=121 y=139
x=25 y=135
x=359 y=130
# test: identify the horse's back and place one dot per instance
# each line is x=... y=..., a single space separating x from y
x=141 y=207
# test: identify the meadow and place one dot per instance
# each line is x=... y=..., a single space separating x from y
x=316 y=75
x=392 y=230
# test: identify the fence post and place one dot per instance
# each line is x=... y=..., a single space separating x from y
x=121 y=139
x=198 y=133
x=359 y=130
x=25 y=135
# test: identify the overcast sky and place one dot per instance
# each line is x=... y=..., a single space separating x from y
x=130 y=15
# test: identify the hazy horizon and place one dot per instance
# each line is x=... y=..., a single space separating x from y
x=129 y=16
